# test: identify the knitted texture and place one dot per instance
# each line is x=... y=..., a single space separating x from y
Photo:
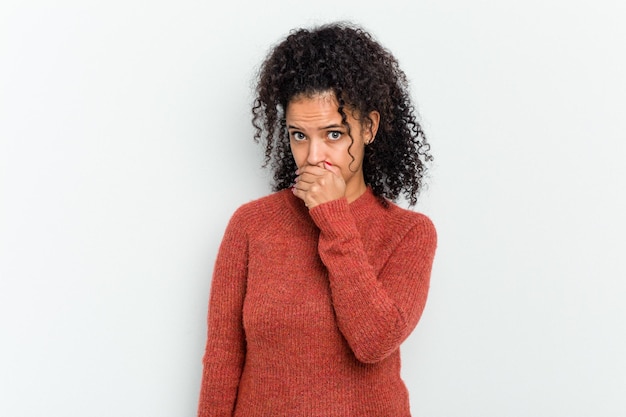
x=308 y=308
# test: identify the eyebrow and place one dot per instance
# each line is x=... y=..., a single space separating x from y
x=334 y=126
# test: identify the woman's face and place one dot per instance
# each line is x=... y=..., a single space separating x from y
x=316 y=135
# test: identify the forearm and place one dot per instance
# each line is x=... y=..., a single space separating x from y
x=379 y=296
x=218 y=391
x=225 y=347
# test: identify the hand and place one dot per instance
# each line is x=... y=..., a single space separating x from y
x=317 y=184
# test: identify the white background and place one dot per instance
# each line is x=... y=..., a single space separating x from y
x=125 y=146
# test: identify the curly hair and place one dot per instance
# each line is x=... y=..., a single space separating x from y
x=344 y=59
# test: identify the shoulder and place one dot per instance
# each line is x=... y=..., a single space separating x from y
x=404 y=222
x=259 y=211
x=413 y=235
x=387 y=221
x=268 y=202
x=410 y=217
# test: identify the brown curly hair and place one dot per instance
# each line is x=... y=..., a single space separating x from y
x=344 y=59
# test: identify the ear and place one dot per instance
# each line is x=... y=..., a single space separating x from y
x=372 y=127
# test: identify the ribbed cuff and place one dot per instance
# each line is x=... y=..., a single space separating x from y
x=334 y=218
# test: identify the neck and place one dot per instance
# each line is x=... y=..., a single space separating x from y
x=355 y=191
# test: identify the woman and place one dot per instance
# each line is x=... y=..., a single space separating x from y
x=316 y=285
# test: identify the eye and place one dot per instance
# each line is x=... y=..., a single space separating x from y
x=334 y=135
x=298 y=136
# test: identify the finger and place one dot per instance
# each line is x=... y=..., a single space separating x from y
x=332 y=168
x=301 y=192
x=303 y=185
x=308 y=177
x=311 y=169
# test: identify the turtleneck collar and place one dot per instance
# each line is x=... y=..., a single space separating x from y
x=364 y=206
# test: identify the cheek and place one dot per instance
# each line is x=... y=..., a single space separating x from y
x=352 y=157
x=298 y=155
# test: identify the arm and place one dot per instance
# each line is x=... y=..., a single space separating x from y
x=375 y=312
x=225 y=347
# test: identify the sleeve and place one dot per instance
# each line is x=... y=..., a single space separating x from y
x=375 y=312
x=225 y=348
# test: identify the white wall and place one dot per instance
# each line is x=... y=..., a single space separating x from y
x=125 y=145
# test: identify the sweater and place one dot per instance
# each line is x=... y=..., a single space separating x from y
x=308 y=308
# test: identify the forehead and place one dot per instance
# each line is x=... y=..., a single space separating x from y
x=318 y=110
x=306 y=105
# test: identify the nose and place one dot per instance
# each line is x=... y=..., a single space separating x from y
x=317 y=152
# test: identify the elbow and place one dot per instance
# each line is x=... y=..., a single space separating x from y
x=378 y=348
x=371 y=357
x=382 y=342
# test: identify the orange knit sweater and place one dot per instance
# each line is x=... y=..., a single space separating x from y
x=308 y=308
